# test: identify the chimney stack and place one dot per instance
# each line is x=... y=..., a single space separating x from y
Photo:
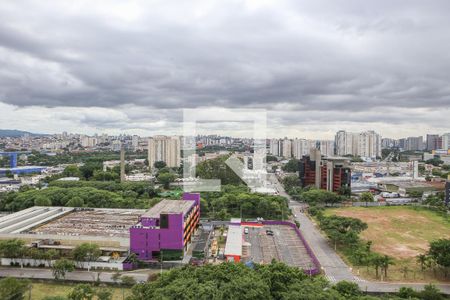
x=122 y=163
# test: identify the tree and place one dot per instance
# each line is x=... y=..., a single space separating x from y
x=86 y=252
x=75 y=202
x=366 y=197
x=376 y=261
x=159 y=164
x=434 y=161
x=270 y=158
x=81 y=292
x=12 y=248
x=345 y=191
x=342 y=229
x=440 y=252
x=41 y=200
x=50 y=255
x=61 y=267
x=104 y=175
x=127 y=280
x=422 y=260
x=291 y=166
x=218 y=169
x=290 y=182
x=430 y=292
x=72 y=171
x=104 y=294
x=405 y=270
x=165 y=179
x=407 y=293
x=12 y=288
x=386 y=261
x=348 y=289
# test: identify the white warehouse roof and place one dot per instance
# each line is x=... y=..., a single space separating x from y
x=234 y=241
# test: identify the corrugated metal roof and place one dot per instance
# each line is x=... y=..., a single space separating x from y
x=233 y=245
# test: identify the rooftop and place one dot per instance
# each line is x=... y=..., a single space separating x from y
x=233 y=245
x=170 y=207
x=91 y=222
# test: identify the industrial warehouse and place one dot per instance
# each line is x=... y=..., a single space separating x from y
x=168 y=226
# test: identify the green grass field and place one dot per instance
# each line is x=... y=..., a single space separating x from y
x=401 y=232
x=40 y=290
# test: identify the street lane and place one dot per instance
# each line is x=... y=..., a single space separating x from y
x=334 y=268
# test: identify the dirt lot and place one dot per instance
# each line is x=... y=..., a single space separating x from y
x=400 y=232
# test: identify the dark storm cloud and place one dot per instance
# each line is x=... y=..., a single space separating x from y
x=334 y=56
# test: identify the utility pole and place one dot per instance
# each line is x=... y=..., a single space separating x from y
x=162 y=259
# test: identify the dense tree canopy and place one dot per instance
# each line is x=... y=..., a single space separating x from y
x=83 y=193
x=236 y=281
x=13 y=289
x=440 y=252
x=343 y=230
x=292 y=166
x=234 y=201
x=218 y=169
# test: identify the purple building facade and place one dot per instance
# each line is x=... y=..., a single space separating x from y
x=166 y=228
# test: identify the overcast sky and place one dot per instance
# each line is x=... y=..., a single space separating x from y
x=315 y=66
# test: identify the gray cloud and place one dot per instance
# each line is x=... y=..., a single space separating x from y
x=326 y=57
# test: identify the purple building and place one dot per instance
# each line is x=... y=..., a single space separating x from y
x=166 y=228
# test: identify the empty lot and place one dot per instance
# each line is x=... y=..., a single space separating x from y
x=401 y=232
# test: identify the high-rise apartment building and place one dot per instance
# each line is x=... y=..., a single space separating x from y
x=369 y=144
x=286 y=148
x=275 y=147
x=432 y=142
x=135 y=142
x=88 y=142
x=387 y=143
x=326 y=147
x=365 y=144
x=414 y=143
x=445 y=141
x=301 y=147
x=166 y=149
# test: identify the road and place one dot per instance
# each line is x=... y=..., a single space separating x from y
x=334 y=267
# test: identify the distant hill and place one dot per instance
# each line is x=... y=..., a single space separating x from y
x=15 y=133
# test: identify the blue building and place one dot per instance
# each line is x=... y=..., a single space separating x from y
x=21 y=170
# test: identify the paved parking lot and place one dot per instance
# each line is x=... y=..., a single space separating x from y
x=284 y=245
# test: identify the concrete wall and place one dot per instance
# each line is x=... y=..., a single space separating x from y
x=70 y=239
x=81 y=265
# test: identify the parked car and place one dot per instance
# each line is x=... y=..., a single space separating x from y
x=246 y=230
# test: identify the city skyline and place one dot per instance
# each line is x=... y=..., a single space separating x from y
x=315 y=67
